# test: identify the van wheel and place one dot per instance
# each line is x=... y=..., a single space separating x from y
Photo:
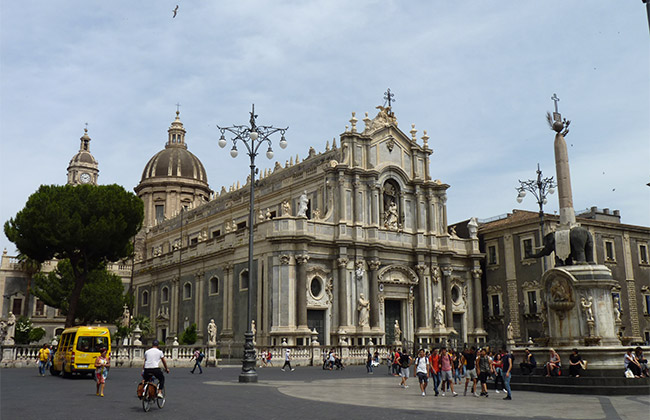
x=67 y=374
x=54 y=372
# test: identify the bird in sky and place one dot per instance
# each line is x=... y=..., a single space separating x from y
x=175 y=11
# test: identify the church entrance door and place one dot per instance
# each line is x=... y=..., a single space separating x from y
x=392 y=311
x=316 y=319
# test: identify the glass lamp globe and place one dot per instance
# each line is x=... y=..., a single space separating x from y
x=519 y=199
x=269 y=153
x=545 y=201
x=551 y=190
x=253 y=135
x=522 y=193
x=234 y=152
x=283 y=142
x=222 y=142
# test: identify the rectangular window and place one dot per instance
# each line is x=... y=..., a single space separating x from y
x=528 y=247
x=496 y=310
x=39 y=308
x=160 y=212
x=17 y=307
x=532 y=302
x=492 y=255
x=216 y=233
x=647 y=304
x=194 y=241
x=609 y=251
x=241 y=225
x=643 y=254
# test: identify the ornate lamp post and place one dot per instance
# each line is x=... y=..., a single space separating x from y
x=540 y=188
x=252 y=137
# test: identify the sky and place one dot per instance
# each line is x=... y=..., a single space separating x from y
x=477 y=75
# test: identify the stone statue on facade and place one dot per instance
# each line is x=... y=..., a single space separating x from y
x=212 y=333
x=363 y=306
x=303 y=201
x=472 y=227
x=286 y=208
x=617 y=309
x=11 y=329
x=397 y=331
x=391 y=220
x=126 y=317
x=510 y=333
x=586 y=307
x=439 y=313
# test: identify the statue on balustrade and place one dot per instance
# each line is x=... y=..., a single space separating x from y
x=363 y=306
x=212 y=333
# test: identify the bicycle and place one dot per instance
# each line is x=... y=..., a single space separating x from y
x=150 y=393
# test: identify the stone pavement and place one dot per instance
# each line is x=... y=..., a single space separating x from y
x=309 y=392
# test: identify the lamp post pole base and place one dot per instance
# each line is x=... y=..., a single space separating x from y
x=248 y=373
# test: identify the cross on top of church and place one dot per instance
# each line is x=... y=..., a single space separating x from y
x=389 y=97
x=178 y=108
x=555 y=99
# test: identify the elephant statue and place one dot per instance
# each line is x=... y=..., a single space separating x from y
x=582 y=247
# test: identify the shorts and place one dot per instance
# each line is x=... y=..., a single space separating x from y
x=423 y=378
x=404 y=372
x=471 y=373
x=483 y=377
x=446 y=375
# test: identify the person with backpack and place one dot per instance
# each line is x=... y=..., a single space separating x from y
x=446 y=375
x=470 y=358
x=198 y=358
x=404 y=368
x=434 y=369
x=422 y=371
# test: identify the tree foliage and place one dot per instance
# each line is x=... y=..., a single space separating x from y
x=102 y=297
x=144 y=323
x=189 y=335
x=25 y=333
x=87 y=224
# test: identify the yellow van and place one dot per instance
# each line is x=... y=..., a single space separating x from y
x=78 y=349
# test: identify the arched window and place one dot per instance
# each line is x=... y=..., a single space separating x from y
x=145 y=298
x=164 y=294
x=214 y=285
x=187 y=290
x=243 y=280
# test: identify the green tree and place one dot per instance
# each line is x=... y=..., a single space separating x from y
x=189 y=335
x=31 y=267
x=144 y=323
x=101 y=298
x=87 y=224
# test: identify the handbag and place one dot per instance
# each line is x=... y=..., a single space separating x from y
x=629 y=374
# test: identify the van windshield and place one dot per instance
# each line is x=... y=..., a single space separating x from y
x=91 y=344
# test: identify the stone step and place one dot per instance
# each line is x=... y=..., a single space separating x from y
x=581 y=381
x=604 y=389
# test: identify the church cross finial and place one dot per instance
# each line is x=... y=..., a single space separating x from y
x=555 y=99
x=389 y=97
x=86 y=129
x=178 y=108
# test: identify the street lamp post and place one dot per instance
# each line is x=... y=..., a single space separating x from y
x=540 y=188
x=252 y=137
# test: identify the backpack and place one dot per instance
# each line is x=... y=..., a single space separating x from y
x=200 y=358
x=404 y=360
x=140 y=391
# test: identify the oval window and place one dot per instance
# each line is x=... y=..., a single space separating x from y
x=455 y=294
x=316 y=287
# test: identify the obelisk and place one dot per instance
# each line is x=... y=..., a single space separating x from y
x=561 y=128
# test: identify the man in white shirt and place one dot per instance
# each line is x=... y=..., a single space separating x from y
x=287 y=360
x=422 y=370
x=152 y=359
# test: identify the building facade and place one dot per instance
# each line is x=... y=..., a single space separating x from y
x=513 y=292
x=351 y=246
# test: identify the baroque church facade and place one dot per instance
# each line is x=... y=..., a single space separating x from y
x=351 y=247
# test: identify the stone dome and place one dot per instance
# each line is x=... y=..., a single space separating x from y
x=175 y=161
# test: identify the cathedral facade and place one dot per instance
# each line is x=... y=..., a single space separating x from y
x=351 y=246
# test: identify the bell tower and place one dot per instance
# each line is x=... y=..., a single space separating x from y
x=83 y=168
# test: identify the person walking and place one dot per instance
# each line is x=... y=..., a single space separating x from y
x=198 y=358
x=470 y=374
x=508 y=361
x=483 y=369
x=404 y=368
x=434 y=369
x=497 y=366
x=369 y=363
x=287 y=360
x=422 y=371
x=102 y=363
x=43 y=358
x=446 y=375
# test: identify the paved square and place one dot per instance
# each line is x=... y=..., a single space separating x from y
x=309 y=392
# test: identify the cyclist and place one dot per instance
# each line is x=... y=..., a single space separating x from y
x=152 y=359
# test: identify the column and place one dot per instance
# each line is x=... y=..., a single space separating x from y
x=478 y=303
x=630 y=285
x=446 y=286
x=373 y=286
x=226 y=329
x=301 y=290
x=342 y=194
x=512 y=288
x=198 y=301
x=173 y=308
x=358 y=202
x=343 y=294
x=422 y=319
